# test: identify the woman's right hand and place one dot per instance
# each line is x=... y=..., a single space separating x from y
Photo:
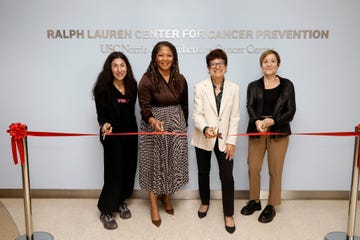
x=260 y=126
x=106 y=128
x=210 y=132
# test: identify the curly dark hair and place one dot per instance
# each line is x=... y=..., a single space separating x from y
x=101 y=90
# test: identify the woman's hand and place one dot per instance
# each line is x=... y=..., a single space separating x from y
x=268 y=122
x=260 y=126
x=230 y=151
x=106 y=128
x=210 y=132
x=156 y=124
x=264 y=125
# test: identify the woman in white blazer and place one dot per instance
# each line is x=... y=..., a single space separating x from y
x=216 y=118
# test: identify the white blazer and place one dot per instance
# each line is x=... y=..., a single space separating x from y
x=205 y=114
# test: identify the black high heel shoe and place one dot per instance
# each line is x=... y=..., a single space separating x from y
x=203 y=214
x=229 y=229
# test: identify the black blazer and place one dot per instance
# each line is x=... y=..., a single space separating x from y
x=284 y=109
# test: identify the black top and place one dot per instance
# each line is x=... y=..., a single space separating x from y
x=270 y=98
x=119 y=112
x=219 y=96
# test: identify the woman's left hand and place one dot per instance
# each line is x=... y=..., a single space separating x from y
x=158 y=125
x=230 y=150
x=268 y=122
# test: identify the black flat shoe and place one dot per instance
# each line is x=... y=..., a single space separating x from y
x=267 y=215
x=230 y=229
x=251 y=207
x=203 y=214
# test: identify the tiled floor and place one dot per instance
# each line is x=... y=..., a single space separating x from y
x=78 y=219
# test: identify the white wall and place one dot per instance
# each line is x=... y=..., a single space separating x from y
x=46 y=83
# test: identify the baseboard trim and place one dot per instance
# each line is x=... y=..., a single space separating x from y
x=184 y=194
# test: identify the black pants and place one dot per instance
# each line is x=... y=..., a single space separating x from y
x=203 y=158
x=120 y=162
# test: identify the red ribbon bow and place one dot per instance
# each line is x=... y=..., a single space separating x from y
x=358 y=131
x=17 y=132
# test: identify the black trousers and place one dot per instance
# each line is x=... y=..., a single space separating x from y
x=203 y=158
x=120 y=162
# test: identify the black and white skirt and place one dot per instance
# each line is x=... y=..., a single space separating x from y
x=163 y=164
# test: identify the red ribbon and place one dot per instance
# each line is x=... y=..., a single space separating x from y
x=17 y=132
x=358 y=140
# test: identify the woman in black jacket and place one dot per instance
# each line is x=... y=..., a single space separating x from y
x=115 y=93
x=271 y=106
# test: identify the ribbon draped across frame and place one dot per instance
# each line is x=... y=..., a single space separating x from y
x=19 y=131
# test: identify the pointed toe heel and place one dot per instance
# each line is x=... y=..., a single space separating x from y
x=166 y=200
x=230 y=230
x=157 y=223
x=203 y=214
x=170 y=211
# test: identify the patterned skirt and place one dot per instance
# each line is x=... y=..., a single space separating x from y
x=163 y=164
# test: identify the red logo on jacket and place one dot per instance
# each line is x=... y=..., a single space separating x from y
x=122 y=100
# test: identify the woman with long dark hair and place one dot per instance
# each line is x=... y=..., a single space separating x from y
x=115 y=94
x=163 y=99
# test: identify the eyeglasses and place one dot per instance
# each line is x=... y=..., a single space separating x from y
x=214 y=64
